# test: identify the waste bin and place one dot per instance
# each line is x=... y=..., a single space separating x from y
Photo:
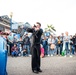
x=3 y=56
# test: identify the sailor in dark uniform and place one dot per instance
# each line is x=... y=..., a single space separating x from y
x=35 y=46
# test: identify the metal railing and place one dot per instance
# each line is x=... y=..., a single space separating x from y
x=8 y=49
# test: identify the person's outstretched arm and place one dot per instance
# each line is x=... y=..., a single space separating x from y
x=29 y=29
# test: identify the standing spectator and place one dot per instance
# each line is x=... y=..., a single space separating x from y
x=62 y=40
x=74 y=42
x=66 y=40
x=15 y=39
x=59 y=46
x=10 y=41
x=45 y=45
x=42 y=51
x=26 y=43
x=55 y=51
x=71 y=46
x=49 y=43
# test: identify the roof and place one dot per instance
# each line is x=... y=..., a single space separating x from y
x=5 y=17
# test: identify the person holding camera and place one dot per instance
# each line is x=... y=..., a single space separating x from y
x=35 y=46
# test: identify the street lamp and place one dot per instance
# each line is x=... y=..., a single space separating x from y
x=11 y=14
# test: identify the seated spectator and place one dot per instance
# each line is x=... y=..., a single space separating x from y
x=24 y=52
x=52 y=49
x=20 y=50
x=14 y=50
x=42 y=52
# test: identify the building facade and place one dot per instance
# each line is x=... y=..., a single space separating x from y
x=4 y=23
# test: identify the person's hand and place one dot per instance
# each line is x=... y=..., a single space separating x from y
x=36 y=28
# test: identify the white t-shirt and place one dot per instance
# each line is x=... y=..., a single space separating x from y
x=51 y=41
x=66 y=38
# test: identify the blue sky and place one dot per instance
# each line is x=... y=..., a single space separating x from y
x=60 y=13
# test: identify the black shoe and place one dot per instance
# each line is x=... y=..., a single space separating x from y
x=35 y=71
x=39 y=70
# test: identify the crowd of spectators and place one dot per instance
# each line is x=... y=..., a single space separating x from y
x=50 y=45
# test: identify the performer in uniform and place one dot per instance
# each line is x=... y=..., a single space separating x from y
x=35 y=46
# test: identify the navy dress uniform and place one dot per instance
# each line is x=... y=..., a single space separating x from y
x=35 y=48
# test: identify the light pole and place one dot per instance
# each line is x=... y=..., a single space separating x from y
x=11 y=14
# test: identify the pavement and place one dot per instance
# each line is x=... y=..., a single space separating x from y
x=56 y=65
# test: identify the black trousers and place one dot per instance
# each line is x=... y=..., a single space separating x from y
x=35 y=63
x=75 y=48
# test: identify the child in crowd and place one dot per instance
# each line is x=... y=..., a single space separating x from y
x=42 y=51
x=24 y=52
x=52 y=49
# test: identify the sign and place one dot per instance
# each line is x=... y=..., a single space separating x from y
x=14 y=26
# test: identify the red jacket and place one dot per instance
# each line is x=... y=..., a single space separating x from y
x=14 y=48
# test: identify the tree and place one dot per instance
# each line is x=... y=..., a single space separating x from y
x=50 y=28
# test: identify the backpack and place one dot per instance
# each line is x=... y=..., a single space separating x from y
x=59 y=41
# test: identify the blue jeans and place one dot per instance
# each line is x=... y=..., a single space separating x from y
x=45 y=49
x=73 y=49
x=48 y=49
x=27 y=47
x=52 y=52
x=14 y=53
x=67 y=47
x=59 y=49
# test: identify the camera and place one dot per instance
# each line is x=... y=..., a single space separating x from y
x=35 y=25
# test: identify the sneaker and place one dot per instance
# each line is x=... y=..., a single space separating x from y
x=65 y=56
x=57 y=55
x=29 y=55
x=71 y=56
x=48 y=55
x=51 y=55
x=60 y=55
